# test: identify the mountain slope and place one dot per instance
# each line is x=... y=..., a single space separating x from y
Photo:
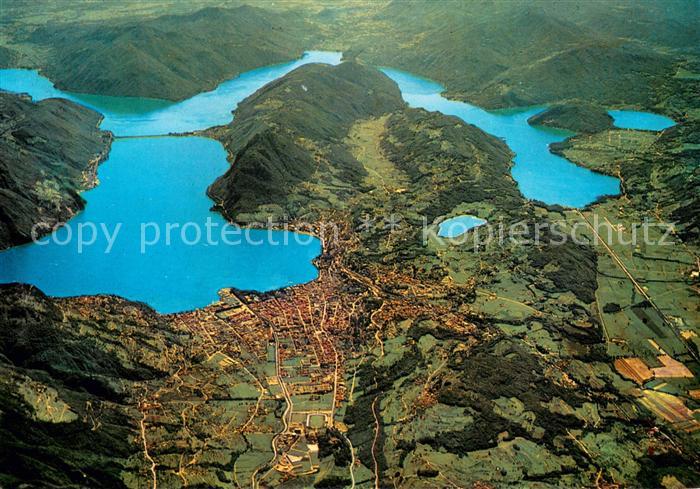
x=493 y=54
x=516 y=53
x=49 y=151
x=461 y=48
x=171 y=56
x=609 y=73
x=290 y=133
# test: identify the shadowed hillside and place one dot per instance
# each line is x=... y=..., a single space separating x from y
x=67 y=418
x=49 y=151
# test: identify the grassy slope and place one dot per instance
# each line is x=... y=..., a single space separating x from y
x=49 y=151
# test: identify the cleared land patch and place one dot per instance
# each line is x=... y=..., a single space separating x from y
x=364 y=139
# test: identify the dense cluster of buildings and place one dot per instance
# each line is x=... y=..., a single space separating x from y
x=291 y=341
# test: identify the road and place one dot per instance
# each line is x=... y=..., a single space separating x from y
x=618 y=261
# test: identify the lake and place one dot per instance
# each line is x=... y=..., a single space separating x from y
x=458 y=225
x=137 y=188
x=540 y=174
x=153 y=182
x=642 y=121
x=135 y=116
x=149 y=183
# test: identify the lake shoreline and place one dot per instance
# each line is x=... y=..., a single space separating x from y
x=426 y=87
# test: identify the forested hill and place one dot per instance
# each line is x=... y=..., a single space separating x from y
x=49 y=151
x=172 y=56
x=292 y=130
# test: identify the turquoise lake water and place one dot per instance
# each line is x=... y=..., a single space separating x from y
x=137 y=185
x=644 y=121
x=160 y=180
x=456 y=226
x=133 y=116
x=540 y=174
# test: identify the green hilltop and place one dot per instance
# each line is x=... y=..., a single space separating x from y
x=576 y=116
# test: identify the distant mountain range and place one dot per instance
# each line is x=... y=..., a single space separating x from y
x=520 y=53
x=493 y=54
x=172 y=56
